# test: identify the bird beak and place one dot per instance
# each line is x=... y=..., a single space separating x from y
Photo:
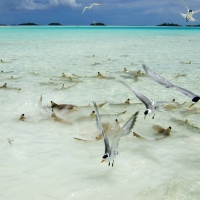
x=144 y=116
x=191 y=105
x=102 y=161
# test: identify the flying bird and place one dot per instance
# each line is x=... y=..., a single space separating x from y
x=151 y=105
x=189 y=14
x=159 y=79
x=111 y=152
x=89 y=7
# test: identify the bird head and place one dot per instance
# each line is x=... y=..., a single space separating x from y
x=194 y=100
x=190 y=11
x=105 y=156
x=146 y=112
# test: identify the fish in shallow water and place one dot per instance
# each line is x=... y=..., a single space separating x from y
x=58 y=119
x=62 y=106
x=162 y=131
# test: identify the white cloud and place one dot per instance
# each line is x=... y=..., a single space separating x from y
x=71 y=3
x=155 y=11
x=32 y=5
x=35 y=4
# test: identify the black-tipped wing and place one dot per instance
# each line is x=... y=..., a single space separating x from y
x=125 y=130
x=196 y=11
x=166 y=83
x=140 y=96
x=185 y=5
x=184 y=91
x=159 y=79
x=99 y=125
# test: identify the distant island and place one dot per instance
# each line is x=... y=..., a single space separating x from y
x=97 y=24
x=28 y=24
x=54 y=24
x=193 y=25
x=168 y=24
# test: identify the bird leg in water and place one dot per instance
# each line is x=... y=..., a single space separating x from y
x=112 y=163
x=156 y=107
x=109 y=164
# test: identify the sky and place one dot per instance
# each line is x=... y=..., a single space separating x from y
x=112 y=12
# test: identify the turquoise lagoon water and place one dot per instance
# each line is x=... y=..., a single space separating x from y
x=43 y=161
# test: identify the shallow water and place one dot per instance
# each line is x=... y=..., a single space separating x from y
x=45 y=162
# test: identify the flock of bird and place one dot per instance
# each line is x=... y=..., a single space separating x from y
x=151 y=107
x=188 y=16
